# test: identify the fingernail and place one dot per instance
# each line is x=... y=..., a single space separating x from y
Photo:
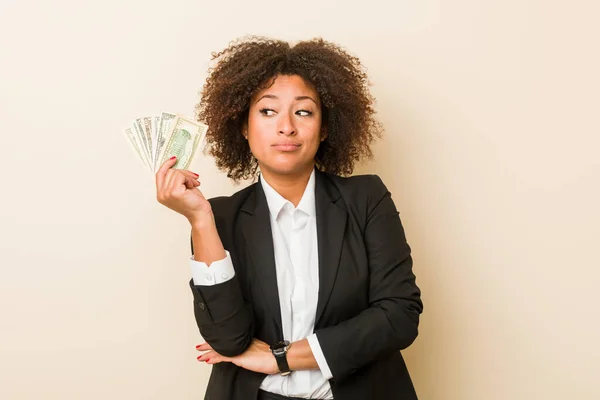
x=199 y=358
x=198 y=347
x=195 y=174
x=172 y=158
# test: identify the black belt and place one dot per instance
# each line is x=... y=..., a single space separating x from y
x=262 y=395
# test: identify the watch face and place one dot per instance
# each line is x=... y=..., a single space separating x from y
x=279 y=347
x=279 y=352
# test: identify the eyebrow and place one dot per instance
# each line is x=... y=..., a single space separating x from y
x=272 y=96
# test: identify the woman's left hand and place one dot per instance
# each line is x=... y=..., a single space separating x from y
x=257 y=357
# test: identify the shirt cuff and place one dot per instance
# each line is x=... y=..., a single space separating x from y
x=218 y=271
x=313 y=342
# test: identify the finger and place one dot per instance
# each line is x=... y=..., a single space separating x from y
x=203 y=346
x=191 y=180
x=184 y=178
x=209 y=356
x=163 y=192
x=195 y=175
x=189 y=173
x=167 y=178
x=162 y=171
x=191 y=183
x=217 y=358
x=204 y=357
x=176 y=182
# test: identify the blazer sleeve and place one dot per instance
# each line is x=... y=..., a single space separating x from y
x=390 y=323
x=224 y=318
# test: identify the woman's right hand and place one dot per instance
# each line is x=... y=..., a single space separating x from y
x=177 y=189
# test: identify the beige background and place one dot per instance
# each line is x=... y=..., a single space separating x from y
x=491 y=153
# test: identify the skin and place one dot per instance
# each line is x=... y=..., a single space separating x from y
x=284 y=132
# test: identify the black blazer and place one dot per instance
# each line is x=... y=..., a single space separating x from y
x=368 y=306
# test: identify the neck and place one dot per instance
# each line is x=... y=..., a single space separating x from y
x=290 y=186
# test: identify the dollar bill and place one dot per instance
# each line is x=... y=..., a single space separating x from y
x=165 y=124
x=183 y=140
x=147 y=125
x=156 y=139
x=135 y=145
x=155 y=124
x=138 y=129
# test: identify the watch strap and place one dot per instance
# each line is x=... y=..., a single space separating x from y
x=279 y=351
x=282 y=363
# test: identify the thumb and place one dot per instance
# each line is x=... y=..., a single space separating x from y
x=162 y=171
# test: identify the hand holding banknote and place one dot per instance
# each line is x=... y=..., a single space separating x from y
x=165 y=144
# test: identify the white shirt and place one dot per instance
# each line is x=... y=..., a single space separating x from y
x=294 y=233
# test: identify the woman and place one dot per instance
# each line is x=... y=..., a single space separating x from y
x=302 y=282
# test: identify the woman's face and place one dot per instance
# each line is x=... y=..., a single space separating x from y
x=284 y=126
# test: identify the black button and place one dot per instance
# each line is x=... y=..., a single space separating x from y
x=202 y=306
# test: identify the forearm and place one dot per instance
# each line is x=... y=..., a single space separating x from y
x=225 y=320
x=374 y=333
x=208 y=247
x=223 y=316
x=300 y=356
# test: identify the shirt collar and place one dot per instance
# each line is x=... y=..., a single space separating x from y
x=276 y=201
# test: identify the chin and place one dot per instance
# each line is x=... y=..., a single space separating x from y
x=287 y=168
x=284 y=170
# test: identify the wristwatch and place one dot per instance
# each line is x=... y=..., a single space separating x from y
x=279 y=350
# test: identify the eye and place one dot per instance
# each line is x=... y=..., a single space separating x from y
x=267 y=111
x=303 y=113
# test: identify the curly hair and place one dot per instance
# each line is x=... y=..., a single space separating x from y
x=250 y=64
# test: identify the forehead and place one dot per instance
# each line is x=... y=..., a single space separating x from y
x=287 y=86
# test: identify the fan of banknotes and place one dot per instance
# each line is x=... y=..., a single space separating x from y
x=158 y=138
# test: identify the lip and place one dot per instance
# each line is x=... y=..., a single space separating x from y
x=286 y=146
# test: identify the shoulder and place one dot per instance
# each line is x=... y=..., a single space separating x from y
x=356 y=181
x=368 y=189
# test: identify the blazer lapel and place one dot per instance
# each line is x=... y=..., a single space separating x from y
x=331 y=226
x=256 y=228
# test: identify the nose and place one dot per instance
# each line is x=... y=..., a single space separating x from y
x=286 y=125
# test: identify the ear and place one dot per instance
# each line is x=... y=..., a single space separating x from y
x=323 y=133
x=245 y=131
